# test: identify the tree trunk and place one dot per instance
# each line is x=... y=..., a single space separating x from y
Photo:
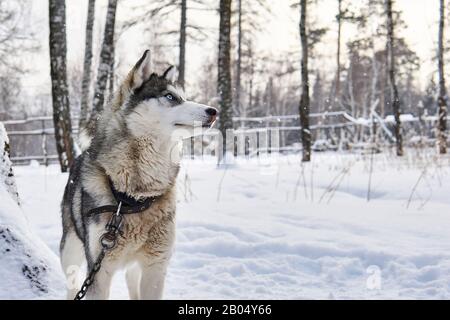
x=60 y=95
x=86 y=82
x=338 y=54
x=304 y=100
x=182 y=56
x=224 y=71
x=249 y=105
x=111 y=73
x=239 y=58
x=250 y=97
x=442 y=100
x=391 y=68
x=105 y=58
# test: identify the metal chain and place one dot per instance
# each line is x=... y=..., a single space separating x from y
x=108 y=241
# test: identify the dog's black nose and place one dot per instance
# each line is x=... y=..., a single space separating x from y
x=211 y=111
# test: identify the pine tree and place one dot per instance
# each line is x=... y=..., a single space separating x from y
x=60 y=95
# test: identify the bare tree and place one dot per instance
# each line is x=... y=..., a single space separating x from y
x=15 y=37
x=162 y=9
x=60 y=94
x=106 y=56
x=391 y=70
x=86 y=82
x=224 y=68
x=442 y=99
x=304 y=99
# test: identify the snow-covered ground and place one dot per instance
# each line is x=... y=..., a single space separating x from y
x=281 y=229
x=29 y=269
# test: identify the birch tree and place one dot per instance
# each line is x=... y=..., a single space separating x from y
x=224 y=68
x=182 y=54
x=442 y=99
x=60 y=95
x=86 y=82
x=391 y=70
x=304 y=99
x=111 y=73
x=105 y=58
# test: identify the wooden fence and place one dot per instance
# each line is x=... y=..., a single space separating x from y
x=33 y=138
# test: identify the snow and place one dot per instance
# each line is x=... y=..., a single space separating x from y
x=403 y=118
x=29 y=269
x=6 y=172
x=275 y=229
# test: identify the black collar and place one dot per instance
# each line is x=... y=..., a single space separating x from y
x=127 y=201
x=129 y=204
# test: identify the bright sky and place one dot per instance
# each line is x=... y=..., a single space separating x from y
x=279 y=35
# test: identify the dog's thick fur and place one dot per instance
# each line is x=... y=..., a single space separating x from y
x=132 y=143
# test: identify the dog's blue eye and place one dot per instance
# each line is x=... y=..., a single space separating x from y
x=169 y=96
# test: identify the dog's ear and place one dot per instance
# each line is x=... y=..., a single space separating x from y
x=141 y=71
x=171 y=74
x=135 y=78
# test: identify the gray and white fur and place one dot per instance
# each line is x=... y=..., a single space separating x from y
x=135 y=143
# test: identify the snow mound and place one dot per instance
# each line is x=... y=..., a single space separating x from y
x=29 y=269
x=6 y=172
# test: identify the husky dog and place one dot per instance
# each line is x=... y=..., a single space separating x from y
x=129 y=148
